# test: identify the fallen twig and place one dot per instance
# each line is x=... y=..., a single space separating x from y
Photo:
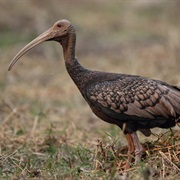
x=168 y=160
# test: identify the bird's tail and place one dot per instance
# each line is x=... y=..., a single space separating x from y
x=177 y=88
x=174 y=98
x=171 y=100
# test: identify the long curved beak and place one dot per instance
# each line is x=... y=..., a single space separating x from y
x=41 y=38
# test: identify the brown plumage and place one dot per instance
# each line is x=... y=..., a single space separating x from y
x=131 y=102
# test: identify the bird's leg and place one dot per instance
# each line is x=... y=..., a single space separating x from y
x=131 y=149
x=138 y=147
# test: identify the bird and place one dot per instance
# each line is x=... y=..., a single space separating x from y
x=131 y=102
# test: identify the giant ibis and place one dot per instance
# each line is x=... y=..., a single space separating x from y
x=131 y=102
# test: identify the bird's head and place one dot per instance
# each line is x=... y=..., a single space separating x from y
x=57 y=32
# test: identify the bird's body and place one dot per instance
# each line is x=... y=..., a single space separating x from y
x=131 y=102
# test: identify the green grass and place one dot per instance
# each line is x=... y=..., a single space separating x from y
x=54 y=160
x=47 y=130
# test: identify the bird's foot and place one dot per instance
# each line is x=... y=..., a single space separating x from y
x=134 y=147
x=138 y=155
x=138 y=148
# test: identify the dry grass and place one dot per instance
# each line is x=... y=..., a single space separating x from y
x=47 y=131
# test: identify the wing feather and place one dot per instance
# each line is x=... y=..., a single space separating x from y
x=135 y=96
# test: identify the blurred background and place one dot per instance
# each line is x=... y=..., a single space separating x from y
x=134 y=37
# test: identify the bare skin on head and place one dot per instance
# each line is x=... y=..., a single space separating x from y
x=131 y=102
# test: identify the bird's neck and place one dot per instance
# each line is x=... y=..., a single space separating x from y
x=77 y=72
x=68 y=44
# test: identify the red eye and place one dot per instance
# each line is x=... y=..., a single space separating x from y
x=59 y=25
